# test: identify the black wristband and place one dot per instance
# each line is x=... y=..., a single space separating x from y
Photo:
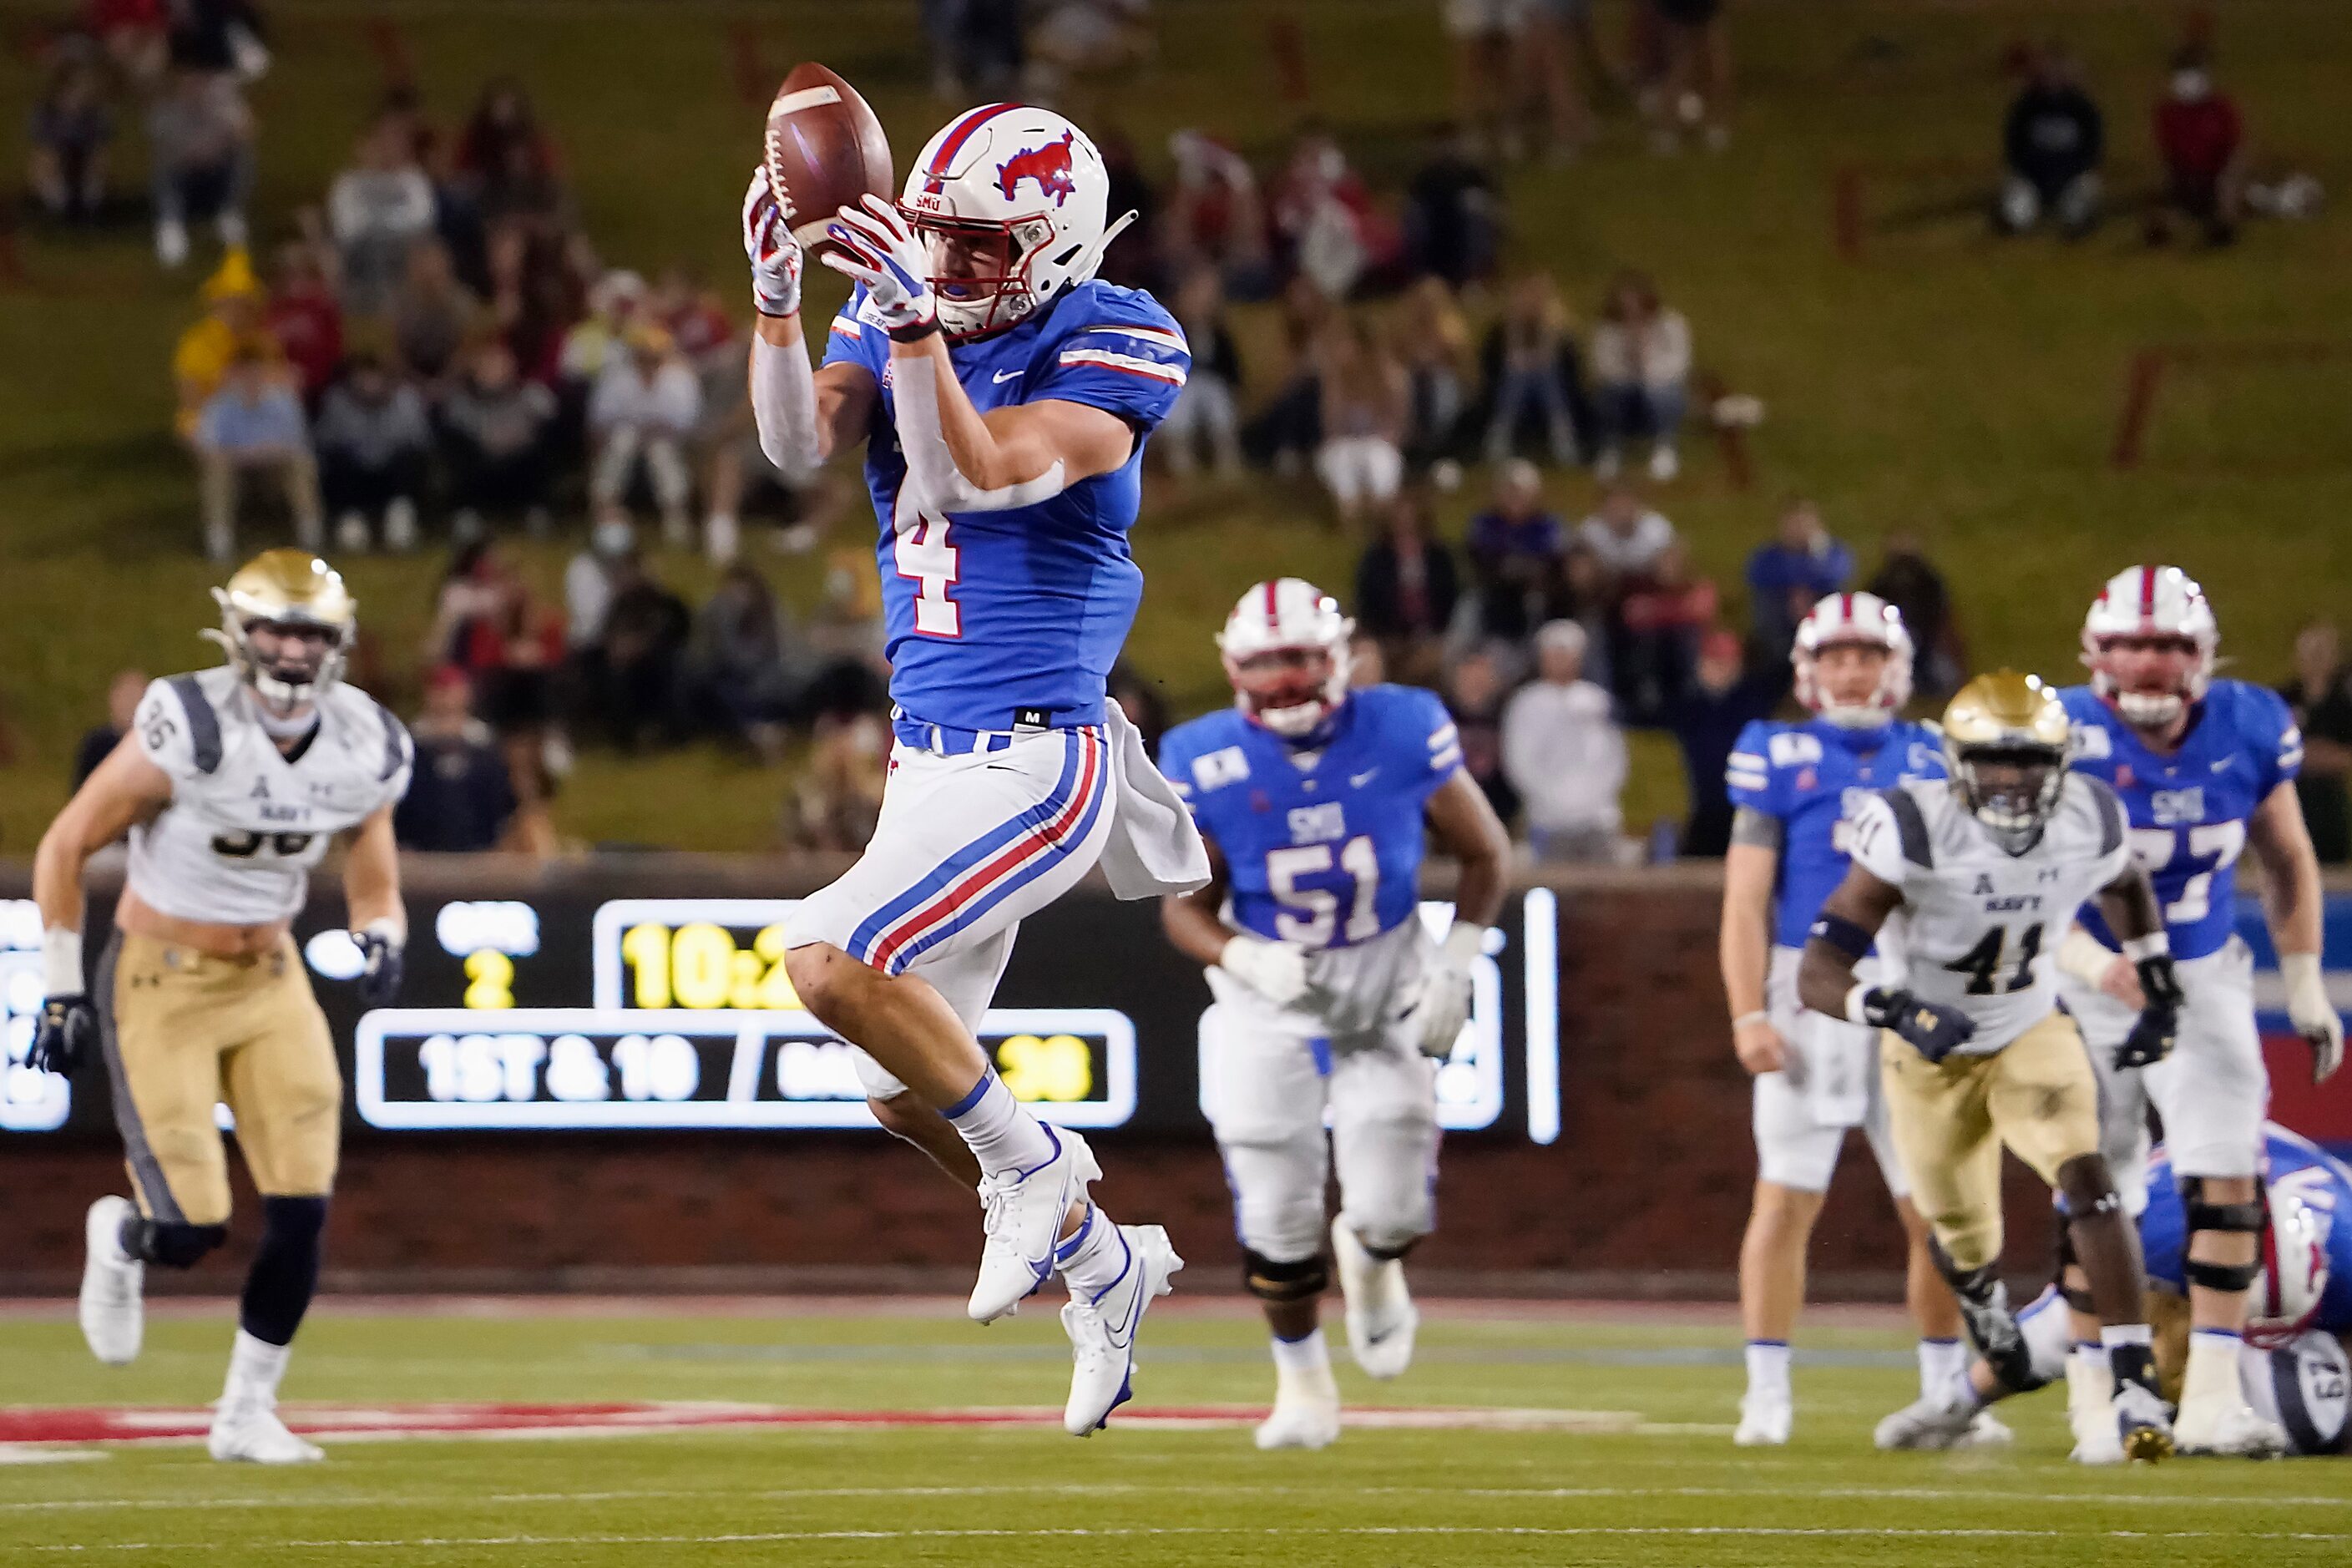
x=916 y=333
x=1842 y=934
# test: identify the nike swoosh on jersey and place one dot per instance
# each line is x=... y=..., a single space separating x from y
x=2223 y=765
x=1003 y=375
x=1358 y=780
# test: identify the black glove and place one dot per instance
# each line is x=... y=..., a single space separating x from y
x=2158 y=1025
x=68 y=1030
x=2159 y=982
x=379 y=980
x=1934 y=1030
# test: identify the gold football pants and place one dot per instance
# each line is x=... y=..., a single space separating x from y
x=2036 y=1094
x=185 y=1031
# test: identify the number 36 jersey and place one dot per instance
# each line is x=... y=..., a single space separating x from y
x=246 y=822
x=1983 y=926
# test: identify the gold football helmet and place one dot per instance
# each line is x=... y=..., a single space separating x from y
x=2006 y=738
x=287 y=622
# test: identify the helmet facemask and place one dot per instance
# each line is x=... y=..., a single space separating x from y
x=1292 y=691
x=2151 y=680
x=287 y=662
x=2012 y=788
x=1871 y=710
x=980 y=268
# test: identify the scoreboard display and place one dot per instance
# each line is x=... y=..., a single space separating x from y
x=567 y=1011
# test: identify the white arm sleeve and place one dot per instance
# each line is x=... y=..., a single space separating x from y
x=931 y=467
x=784 y=402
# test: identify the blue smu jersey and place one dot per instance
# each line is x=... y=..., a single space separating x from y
x=1327 y=855
x=2324 y=1183
x=2188 y=811
x=1808 y=776
x=994 y=615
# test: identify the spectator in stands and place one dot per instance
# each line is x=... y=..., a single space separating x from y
x=217 y=37
x=123 y=695
x=1487 y=36
x=1288 y=427
x=1625 y=536
x=1086 y=37
x=1434 y=344
x=373 y=446
x=632 y=674
x=1475 y=692
x=740 y=659
x=134 y=38
x=1452 y=213
x=496 y=437
x=2200 y=137
x=847 y=638
x=1660 y=621
x=305 y=317
x=1558 y=33
x=838 y=797
x=1207 y=412
x=1564 y=753
x=646 y=407
x=460 y=797
x=978 y=48
x=433 y=316
x=2051 y=145
x=1516 y=549
x=1800 y=564
x=1215 y=217
x=200 y=159
x=252 y=428
x=232 y=324
x=1532 y=375
x=1640 y=375
x=535 y=299
x=591 y=579
x=1722 y=701
x=65 y=168
x=488 y=622
x=1697 y=83
x=378 y=209
x=505 y=161
x=1907 y=580
x=695 y=319
x=2321 y=695
x=1323 y=215
x=616 y=306
x=1364 y=410
x=1405 y=591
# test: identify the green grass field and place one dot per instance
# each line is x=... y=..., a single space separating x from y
x=1650 y=1477
x=1947 y=383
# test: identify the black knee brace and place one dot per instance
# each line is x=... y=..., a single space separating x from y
x=1992 y=1326
x=1278 y=1282
x=285 y=1273
x=2237 y=1219
x=169 y=1242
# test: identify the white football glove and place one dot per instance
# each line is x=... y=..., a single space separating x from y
x=2314 y=1015
x=876 y=247
x=773 y=253
x=1441 y=1001
x=1274 y=970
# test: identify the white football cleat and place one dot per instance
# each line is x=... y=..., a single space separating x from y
x=1927 y=1424
x=1764 y=1420
x=249 y=1431
x=2226 y=1429
x=2091 y=1412
x=1306 y=1414
x=1381 y=1317
x=1022 y=1213
x=1102 y=1331
x=2143 y=1423
x=1987 y=1431
x=113 y=1318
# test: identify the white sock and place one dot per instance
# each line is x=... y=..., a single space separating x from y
x=2212 y=1373
x=2113 y=1334
x=1768 y=1368
x=1003 y=1135
x=1940 y=1361
x=255 y=1367
x=1309 y=1357
x=1094 y=1258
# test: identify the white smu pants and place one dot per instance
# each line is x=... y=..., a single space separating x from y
x=2212 y=1091
x=1801 y=1115
x=968 y=843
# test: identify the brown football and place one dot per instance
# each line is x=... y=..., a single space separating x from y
x=825 y=149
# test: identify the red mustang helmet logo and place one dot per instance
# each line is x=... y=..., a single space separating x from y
x=1048 y=165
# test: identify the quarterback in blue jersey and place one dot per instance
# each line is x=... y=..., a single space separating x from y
x=2205 y=769
x=1816 y=1076
x=2292 y=1363
x=1334 y=1003
x=1004 y=396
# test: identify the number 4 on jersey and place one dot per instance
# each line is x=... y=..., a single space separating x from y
x=925 y=558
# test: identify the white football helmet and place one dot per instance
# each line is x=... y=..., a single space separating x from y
x=2285 y=1296
x=2159 y=602
x=1022 y=193
x=1286 y=651
x=1865 y=620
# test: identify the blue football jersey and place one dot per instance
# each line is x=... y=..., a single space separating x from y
x=1807 y=775
x=2321 y=1181
x=1322 y=848
x=998 y=617
x=2188 y=810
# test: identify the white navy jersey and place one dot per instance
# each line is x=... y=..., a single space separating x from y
x=247 y=821
x=1982 y=926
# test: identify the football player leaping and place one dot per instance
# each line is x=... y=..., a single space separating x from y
x=2205 y=768
x=230 y=784
x=1004 y=396
x=1331 y=996
x=1976 y=1053
x=1816 y=1076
